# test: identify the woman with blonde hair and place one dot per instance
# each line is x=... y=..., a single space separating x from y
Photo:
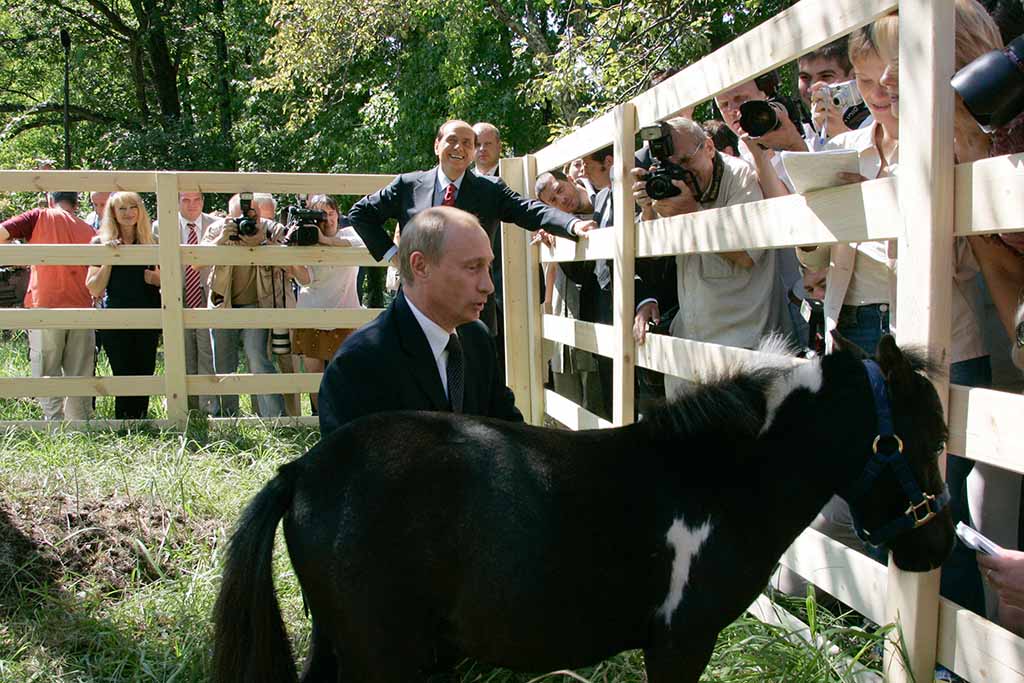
x=983 y=494
x=131 y=352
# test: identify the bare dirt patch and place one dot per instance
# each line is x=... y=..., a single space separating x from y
x=112 y=541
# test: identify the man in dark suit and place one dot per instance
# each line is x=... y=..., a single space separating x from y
x=448 y=184
x=428 y=350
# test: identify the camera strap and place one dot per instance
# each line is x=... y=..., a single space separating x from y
x=710 y=195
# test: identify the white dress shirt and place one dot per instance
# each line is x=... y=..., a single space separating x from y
x=437 y=338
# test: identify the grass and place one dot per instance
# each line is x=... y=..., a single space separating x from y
x=110 y=562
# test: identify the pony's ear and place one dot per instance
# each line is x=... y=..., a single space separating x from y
x=891 y=360
x=841 y=343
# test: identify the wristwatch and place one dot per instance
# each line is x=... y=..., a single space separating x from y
x=1020 y=335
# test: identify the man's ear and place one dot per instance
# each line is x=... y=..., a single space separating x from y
x=419 y=264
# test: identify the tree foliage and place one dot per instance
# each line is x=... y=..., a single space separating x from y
x=329 y=85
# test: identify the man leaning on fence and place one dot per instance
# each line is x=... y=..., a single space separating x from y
x=57 y=352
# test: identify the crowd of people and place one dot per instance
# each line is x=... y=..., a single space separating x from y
x=446 y=254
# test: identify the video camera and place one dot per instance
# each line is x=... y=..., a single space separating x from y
x=760 y=117
x=303 y=226
x=662 y=172
x=992 y=86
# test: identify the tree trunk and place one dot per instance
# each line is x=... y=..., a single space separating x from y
x=165 y=73
x=224 y=112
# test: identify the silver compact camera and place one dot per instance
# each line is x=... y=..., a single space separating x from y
x=844 y=96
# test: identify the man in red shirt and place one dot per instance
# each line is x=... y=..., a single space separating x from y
x=53 y=352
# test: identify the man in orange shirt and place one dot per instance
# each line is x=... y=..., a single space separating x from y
x=53 y=352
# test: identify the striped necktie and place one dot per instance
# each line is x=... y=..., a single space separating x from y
x=193 y=289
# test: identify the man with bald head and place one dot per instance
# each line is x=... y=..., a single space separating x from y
x=488 y=148
x=428 y=350
x=448 y=184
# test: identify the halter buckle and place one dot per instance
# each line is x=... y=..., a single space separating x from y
x=926 y=503
x=899 y=443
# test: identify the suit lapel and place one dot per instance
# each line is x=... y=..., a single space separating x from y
x=421 y=359
x=465 y=199
x=423 y=192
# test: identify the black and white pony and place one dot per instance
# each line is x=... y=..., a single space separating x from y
x=422 y=538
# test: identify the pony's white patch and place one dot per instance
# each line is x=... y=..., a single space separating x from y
x=686 y=542
x=805 y=376
x=778 y=349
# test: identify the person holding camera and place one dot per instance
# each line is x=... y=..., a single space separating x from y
x=249 y=287
x=726 y=298
x=328 y=287
x=130 y=352
x=826 y=86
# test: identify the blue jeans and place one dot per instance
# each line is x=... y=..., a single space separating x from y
x=225 y=361
x=961 y=579
x=864 y=325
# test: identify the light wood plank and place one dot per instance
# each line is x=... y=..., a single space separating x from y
x=78 y=254
x=589 y=138
x=171 y=295
x=282 y=383
x=84 y=425
x=77 y=181
x=599 y=339
x=80 y=318
x=990 y=195
x=840 y=571
x=516 y=295
x=925 y=283
x=288 y=183
x=269 y=422
x=986 y=426
x=538 y=364
x=573 y=416
x=977 y=649
x=22 y=387
x=867 y=211
x=597 y=244
x=290 y=318
x=702 y=361
x=276 y=256
x=623 y=268
x=804 y=27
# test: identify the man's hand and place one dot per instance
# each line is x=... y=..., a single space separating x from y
x=581 y=228
x=228 y=234
x=1005 y=573
x=684 y=202
x=824 y=112
x=543 y=237
x=645 y=314
x=114 y=243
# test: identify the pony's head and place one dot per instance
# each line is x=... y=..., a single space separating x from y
x=900 y=500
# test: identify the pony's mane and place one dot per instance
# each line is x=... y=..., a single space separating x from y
x=733 y=401
x=919 y=360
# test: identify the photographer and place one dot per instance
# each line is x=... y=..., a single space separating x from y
x=328 y=287
x=249 y=287
x=727 y=298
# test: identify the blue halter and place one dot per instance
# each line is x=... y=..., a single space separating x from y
x=887 y=452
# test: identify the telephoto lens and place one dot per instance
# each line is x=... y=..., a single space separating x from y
x=280 y=343
x=992 y=86
x=758 y=117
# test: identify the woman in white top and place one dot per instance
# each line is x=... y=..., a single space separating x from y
x=330 y=287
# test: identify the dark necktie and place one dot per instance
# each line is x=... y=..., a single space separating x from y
x=449 y=195
x=193 y=288
x=456 y=373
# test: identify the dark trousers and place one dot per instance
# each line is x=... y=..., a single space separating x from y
x=131 y=352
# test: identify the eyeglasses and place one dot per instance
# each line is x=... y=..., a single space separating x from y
x=687 y=158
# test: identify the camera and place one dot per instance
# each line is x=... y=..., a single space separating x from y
x=662 y=172
x=992 y=86
x=248 y=223
x=760 y=117
x=303 y=226
x=846 y=98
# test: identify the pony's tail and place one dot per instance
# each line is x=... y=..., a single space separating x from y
x=250 y=641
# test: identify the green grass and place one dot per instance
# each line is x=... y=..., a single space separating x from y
x=110 y=562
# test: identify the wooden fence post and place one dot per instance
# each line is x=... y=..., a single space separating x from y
x=535 y=311
x=516 y=294
x=171 y=296
x=624 y=303
x=925 y=271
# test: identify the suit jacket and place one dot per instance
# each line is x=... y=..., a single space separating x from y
x=488 y=198
x=202 y=229
x=388 y=365
x=655 y=277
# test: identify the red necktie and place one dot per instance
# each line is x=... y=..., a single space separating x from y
x=193 y=290
x=449 y=195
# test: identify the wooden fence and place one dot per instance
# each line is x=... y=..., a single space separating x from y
x=970 y=199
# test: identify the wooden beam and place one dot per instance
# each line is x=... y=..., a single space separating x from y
x=623 y=268
x=78 y=254
x=80 y=318
x=288 y=183
x=701 y=361
x=990 y=195
x=597 y=134
x=538 y=363
x=171 y=293
x=21 y=387
x=277 y=383
x=599 y=339
x=985 y=425
x=600 y=244
x=290 y=318
x=570 y=414
x=276 y=256
x=77 y=181
x=516 y=302
x=977 y=649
